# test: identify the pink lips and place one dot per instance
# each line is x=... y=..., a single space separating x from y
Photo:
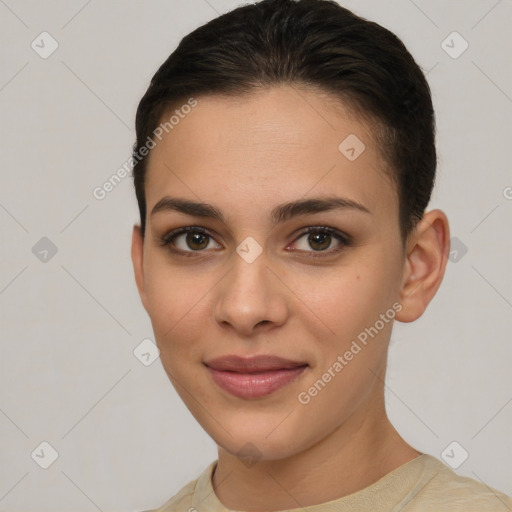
x=253 y=377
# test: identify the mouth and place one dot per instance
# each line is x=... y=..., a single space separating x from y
x=254 y=377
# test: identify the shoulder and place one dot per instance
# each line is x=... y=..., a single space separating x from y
x=184 y=499
x=441 y=489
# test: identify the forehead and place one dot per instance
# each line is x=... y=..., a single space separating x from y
x=268 y=147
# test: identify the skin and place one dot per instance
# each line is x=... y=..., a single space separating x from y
x=246 y=155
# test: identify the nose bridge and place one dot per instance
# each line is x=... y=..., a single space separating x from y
x=248 y=280
x=250 y=293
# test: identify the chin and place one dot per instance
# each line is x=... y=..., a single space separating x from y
x=263 y=437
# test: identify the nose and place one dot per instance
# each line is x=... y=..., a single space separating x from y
x=250 y=298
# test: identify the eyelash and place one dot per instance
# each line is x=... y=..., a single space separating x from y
x=345 y=240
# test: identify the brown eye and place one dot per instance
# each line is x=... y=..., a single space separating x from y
x=189 y=240
x=319 y=241
x=196 y=241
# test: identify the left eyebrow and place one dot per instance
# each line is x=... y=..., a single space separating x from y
x=280 y=213
x=292 y=209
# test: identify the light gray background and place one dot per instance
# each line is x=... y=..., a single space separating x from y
x=68 y=375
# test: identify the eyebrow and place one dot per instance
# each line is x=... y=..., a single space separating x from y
x=280 y=213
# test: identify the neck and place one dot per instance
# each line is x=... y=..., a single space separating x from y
x=356 y=454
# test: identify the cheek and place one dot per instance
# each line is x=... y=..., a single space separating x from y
x=350 y=302
x=347 y=299
x=177 y=303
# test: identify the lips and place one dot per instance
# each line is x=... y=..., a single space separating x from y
x=254 y=377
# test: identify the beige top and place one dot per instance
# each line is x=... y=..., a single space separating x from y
x=424 y=484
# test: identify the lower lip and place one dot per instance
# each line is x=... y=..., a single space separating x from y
x=255 y=385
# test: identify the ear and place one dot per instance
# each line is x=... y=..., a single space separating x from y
x=427 y=254
x=137 y=260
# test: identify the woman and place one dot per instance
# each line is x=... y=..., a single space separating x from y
x=284 y=161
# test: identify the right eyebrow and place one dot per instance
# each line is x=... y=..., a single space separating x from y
x=187 y=207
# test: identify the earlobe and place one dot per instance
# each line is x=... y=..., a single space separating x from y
x=137 y=252
x=425 y=264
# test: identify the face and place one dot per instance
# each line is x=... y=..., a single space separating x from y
x=266 y=271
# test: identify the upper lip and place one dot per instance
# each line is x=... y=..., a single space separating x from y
x=253 y=364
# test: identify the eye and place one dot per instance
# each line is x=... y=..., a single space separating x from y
x=189 y=239
x=321 y=239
